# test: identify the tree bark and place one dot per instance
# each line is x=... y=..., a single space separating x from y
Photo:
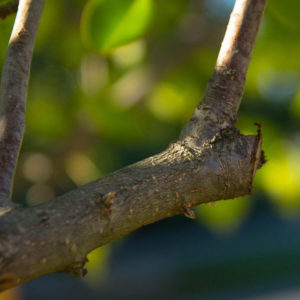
x=14 y=82
x=211 y=161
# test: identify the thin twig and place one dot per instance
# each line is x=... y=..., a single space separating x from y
x=8 y=8
x=15 y=76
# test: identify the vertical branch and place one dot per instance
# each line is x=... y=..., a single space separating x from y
x=232 y=64
x=15 y=76
x=225 y=89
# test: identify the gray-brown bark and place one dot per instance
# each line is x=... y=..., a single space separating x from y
x=211 y=161
x=14 y=82
x=225 y=89
x=56 y=236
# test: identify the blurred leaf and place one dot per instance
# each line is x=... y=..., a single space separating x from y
x=167 y=102
x=173 y=102
x=130 y=54
x=115 y=123
x=2 y=2
x=287 y=12
x=46 y=119
x=107 y=24
x=131 y=87
x=295 y=106
x=97 y=265
x=80 y=168
x=224 y=217
x=168 y=15
x=280 y=177
x=5 y=31
x=50 y=23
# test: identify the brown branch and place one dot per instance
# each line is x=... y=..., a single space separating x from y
x=8 y=8
x=56 y=236
x=225 y=89
x=218 y=163
x=15 y=76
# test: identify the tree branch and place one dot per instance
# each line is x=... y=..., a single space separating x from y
x=15 y=76
x=225 y=89
x=212 y=161
x=8 y=8
x=56 y=236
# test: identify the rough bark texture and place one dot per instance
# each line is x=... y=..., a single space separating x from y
x=211 y=161
x=225 y=89
x=56 y=236
x=15 y=76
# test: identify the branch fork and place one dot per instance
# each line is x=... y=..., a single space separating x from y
x=211 y=161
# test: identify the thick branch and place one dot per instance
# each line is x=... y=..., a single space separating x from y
x=212 y=161
x=8 y=8
x=15 y=76
x=56 y=236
